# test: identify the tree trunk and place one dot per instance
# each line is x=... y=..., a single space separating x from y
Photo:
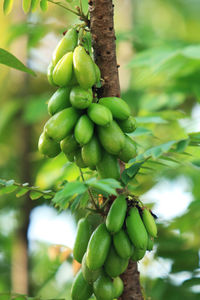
x=103 y=37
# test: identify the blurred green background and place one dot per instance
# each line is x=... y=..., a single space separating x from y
x=158 y=49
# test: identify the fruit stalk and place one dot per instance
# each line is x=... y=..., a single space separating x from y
x=103 y=39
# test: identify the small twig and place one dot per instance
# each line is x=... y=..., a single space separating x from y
x=65 y=7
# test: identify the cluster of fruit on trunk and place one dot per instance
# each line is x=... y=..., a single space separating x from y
x=128 y=232
x=91 y=132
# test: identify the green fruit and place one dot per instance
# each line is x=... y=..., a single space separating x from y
x=111 y=138
x=89 y=275
x=47 y=146
x=128 y=125
x=129 y=150
x=81 y=289
x=69 y=144
x=98 y=247
x=108 y=167
x=136 y=229
x=50 y=74
x=70 y=156
x=62 y=73
x=82 y=239
x=61 y=124
x=98 y=73
x=59 y=100
x=99 y=114
x=118 y=107
x=80 y=98
x=138 y=254
x=122 y=244
x=114 y=264
x=67 y=44
x=91 y=152
x=78 y=160
x=119 y=286
x=84 y=68
x=149 y=222
x=104 y=288
x=83 y=131
x=150 y=243
x=116 y=214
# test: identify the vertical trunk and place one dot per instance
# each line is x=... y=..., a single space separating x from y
x=103 y=36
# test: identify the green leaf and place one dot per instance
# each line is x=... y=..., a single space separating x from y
x=34 y=195
x=43 y=5
x=129 y=173
x=141 y=131
x=22 y=192
x=191 y=282
x=151 y=119
x=34 y=4
x=69 y=192
x=8 y=189
x=26 y=5
x=7 y=6
x=108 y=185
x=8 y=59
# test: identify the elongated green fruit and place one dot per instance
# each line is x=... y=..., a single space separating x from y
x=47 y=146
x=136 y=229
x=108 y=167
x=89 y=275
x=78 y=159
x=91 y=152
x=84 y=129
x=59 y=100
x=98 y=73
x=138 y=254
x=50 y=74
x=62 y=73
x=122 y=244
x=114 y=264
x=98 y=247
x=104 y=288
x=129 y=150
x=80 y=98
x=112 y=138
x=82 y=239
x=70 y=156
x=149 y=222
x=81 y=289
x=99 y=114
x=150 y=243
x=61 y=124
x=128 y=125
x=69 y=144
x=66 y=44
x=119 y=286
x=84 y=68
x=118 y=107
x=116 y=214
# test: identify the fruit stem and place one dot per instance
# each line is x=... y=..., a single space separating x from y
x=90 y=193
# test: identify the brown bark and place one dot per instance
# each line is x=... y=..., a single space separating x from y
x=103 y=36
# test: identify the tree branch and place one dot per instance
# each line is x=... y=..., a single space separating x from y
x=103 y=38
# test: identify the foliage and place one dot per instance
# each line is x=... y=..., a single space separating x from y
x=163 y=93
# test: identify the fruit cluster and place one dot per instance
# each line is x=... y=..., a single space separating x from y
x=127 y=233
x=90 y=131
